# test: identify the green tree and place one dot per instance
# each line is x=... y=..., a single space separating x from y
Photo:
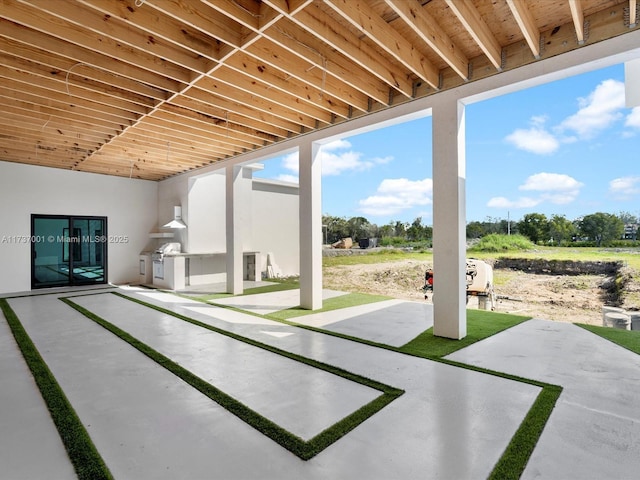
x=416 y=231
x=359 y=227
x=475 y=230
x=386 y=230
x=561 y=229
x=535 y=226
x=628 y=217
x=337 y=228
x=400 y=229
x=602 y=227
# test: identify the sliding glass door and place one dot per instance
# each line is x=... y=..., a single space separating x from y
x=68 y=250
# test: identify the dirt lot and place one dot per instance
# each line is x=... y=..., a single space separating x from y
x=553 y=297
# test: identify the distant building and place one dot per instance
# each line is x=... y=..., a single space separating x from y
x=630 y=231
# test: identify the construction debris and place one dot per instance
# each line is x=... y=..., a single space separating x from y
x=343 y=243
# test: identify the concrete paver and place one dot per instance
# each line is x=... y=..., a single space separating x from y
x=30 y=446
x=302 y=399
x=392 y=322
x=594 y=431
x=265 y=303
x=430 y=427
x=451 y=423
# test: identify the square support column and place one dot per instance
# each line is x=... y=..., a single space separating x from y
x=233 y=205
x=310 y=226
x=449 y=220
x=632 y=83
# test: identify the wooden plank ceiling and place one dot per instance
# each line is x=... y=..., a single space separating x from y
x=152 y=88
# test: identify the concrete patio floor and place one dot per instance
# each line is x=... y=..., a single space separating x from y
x=451 y=423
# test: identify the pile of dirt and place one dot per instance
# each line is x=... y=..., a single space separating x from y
x=575 y=298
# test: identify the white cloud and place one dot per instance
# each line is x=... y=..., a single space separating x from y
x=287 y=178
x=535 y=139
x=633 y=119
x=522 y=202
x=395 y=195
x=290 y=162
x=336 y=145
x=335 y=162
x=625 y=187
x=598 y=111
x=546 y=182
x=555 y=188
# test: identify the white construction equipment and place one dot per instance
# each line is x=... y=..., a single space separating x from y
x=479 y=280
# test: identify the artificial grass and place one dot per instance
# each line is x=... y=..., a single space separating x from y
x=333 y=303
x=514 y=459
x=84 y=456
x=303 y=449
x=480 y=325
x=629 y=339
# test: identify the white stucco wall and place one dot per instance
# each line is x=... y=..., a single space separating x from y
x=276 y=224
x=131 y=208
x=268 y=217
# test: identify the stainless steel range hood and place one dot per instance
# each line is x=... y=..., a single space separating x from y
x=177 y=219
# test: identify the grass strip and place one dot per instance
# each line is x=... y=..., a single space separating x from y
x=629 y=339
x=301 y=448
x=84 y=456
x=329 y=304
x=480 y=325
x=514 y=459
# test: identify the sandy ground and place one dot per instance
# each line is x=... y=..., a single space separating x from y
x=577 y=299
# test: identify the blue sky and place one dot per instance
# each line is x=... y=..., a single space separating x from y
x=569 y=147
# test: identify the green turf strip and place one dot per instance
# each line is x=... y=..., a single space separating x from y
x=480 y=325
x=83 y=454
x=629 y=339
x=329 y=304
x=303 y=449
x=514 y=459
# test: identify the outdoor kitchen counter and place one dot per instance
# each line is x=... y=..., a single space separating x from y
x=185 y=269
x=205 y=254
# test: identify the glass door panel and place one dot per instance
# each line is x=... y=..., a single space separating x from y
x=50 y=260
x=87 y=250
x=68 y=250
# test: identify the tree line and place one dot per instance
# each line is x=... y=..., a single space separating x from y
x=595 y=229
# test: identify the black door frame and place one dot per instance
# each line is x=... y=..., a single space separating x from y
x=70 y=219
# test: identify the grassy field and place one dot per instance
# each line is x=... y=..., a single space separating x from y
x=630 y=257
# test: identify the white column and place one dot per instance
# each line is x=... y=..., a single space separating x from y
x=632 y=83
x=449 y=220
x=234 y=229
x=310 y=226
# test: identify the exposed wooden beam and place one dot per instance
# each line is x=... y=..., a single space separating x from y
x=156 y=86
x=473 y=23
x=75 y=34
x=423 y=24
x=202 y=18
x=365 y=57
x=577 y=14
x=633 y=13
x=365 y=19
x=527 y=26
x=360 y=68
